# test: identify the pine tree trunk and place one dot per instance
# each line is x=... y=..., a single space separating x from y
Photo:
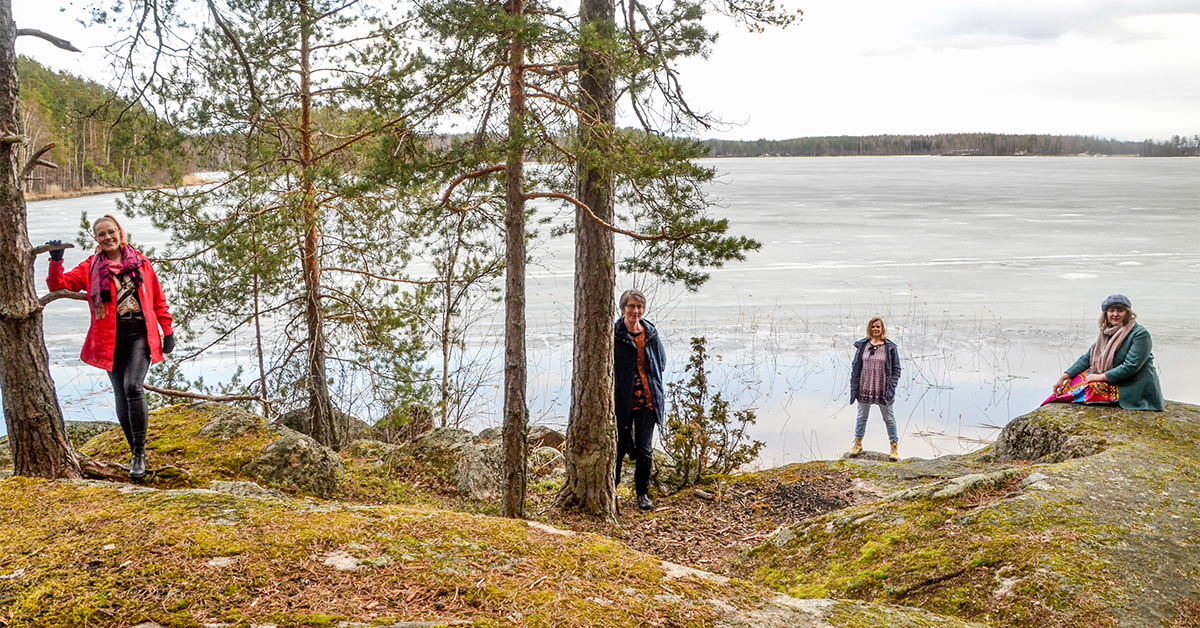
x=591 y=428
x=35 y=426
x=324 y=428
x=516 y=414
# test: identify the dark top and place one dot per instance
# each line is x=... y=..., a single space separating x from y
x=625 y=369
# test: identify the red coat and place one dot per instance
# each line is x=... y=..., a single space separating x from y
x=101 y=340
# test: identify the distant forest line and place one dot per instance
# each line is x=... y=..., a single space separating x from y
x=986 y=144
x=104 y=140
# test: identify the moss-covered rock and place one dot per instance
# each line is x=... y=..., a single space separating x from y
x=296 y=462
x=1104 y=530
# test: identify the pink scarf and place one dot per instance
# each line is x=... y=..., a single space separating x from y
x=102 y=271
x=1107 y=343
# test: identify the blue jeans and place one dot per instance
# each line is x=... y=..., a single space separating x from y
x=861 y=428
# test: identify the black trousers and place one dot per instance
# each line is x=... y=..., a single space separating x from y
x=635 y=437
x=131 y=361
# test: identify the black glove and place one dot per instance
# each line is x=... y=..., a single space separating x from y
x=168 y=343
x=56 y=254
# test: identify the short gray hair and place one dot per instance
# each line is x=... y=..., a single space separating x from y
x=631 y=294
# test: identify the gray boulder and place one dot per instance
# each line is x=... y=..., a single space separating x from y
x=1049 y=435
x=81 y=432
x=542 y=436
x=296 y=462
x=349 y=427
x=6 y=455
x=480 y=471
x=227 y=421
x=439 y=451
x=539 y=436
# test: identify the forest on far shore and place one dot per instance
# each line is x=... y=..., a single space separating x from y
x=107 y=141
x=989 y=144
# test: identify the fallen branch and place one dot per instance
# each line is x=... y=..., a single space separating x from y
x=167 y=392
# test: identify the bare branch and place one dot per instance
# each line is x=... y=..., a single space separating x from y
x=611 y=227
x=470 y=175
x=36 y=159
x=62 y=294
x=42 y=248
x=166 y=392
x=57 y=41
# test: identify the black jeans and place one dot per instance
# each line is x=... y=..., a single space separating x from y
x=131 y=360
x=635 y=437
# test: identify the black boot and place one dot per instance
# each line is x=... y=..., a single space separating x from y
x=644 y=503
x=137 y=464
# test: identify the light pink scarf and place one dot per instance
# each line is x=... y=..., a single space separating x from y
x=1107 y=343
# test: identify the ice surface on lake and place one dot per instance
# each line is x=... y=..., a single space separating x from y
x=988 y=271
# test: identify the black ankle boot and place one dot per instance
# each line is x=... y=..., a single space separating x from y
x=644 y=503
x=137 y=464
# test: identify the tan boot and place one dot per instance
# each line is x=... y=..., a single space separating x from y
x=857 y=448
x=895 y=454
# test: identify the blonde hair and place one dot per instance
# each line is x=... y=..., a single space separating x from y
x=113 y=220
x=882 y=336
x=1130 y=317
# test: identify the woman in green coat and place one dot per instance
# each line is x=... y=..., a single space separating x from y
x=1119 y=367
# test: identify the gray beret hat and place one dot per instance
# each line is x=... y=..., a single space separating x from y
x=1115 y=299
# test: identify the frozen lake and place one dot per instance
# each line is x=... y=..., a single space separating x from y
x=988 y=271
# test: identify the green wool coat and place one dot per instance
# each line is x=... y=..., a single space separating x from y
x=1133 y=372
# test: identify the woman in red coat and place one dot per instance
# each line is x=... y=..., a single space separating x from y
x=128 y=307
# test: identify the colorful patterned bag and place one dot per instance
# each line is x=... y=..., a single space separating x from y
x=1078 y=391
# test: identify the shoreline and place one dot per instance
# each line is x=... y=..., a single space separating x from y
x=189 y=180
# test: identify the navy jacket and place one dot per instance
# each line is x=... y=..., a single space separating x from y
x=892 y=366
x=625 y=367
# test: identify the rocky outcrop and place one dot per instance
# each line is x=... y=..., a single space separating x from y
x=1077 y=516
x=439 y=450
x=480 y=472
x=295 y=461
x=539 y=436
x=81 y=432
x=350 y=428
x=227 y=421
x=1048 y=436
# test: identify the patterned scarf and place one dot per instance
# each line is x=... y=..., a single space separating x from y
x=102 y=271
x=1107 y=343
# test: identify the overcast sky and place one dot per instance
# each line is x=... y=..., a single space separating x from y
x=1127 y=69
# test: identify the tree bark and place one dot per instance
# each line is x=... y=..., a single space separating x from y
x=516 y=413
x=591 y=427
x=35 y=426
x=324 y=428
